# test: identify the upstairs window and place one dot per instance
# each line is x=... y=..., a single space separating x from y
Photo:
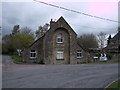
x=79 y=53
x=60 y=54
x=59 y=38
x=33 y=54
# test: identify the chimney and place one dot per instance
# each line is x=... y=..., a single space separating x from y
x=52 y=23
x=119 y=29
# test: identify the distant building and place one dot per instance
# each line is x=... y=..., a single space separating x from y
x=114 y=43
x=57 y=46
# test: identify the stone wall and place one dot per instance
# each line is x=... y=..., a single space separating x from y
x=46 y=46
x=61 y=46
x=38 y=47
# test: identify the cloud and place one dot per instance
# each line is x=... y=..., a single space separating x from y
x=33 y=14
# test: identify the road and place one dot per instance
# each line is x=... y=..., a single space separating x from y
x=0 y=71
x=58 y=76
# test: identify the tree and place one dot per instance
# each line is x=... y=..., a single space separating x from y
x=102 y=39
x=7 y=46
x=0 y=30
x=109 y=38
x=46 y=27
x=15 y=29
x=41 y=30
x=26 y=30
x=22 y=40
x=87 y=41
x=18 y=41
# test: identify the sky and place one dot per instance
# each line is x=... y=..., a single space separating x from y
x=33 y=14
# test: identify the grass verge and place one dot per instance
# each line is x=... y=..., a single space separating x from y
x=102 y=62
x=16 y=58
x=115 y=85
x=113 y=61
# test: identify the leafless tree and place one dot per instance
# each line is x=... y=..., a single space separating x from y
x=0 y=30
x=26 y=30
x=41 y=30
x=87 y=41
x=102 y=39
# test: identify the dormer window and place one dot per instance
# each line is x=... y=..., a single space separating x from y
x=59 y=38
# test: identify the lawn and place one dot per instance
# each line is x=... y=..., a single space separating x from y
x=115 y=85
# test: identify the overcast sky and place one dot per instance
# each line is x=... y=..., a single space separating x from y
x=34 y=14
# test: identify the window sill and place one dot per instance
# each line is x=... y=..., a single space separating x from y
x=32 y=57
x=59 y=42
x=79 y=57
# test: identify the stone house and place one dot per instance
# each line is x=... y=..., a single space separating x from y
x=57 y=46
x=114 y=46
x=114 y=43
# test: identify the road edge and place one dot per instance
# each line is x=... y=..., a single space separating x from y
x=111 y=83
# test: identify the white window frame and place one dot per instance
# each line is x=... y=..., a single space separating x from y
x=59 y=38
x=32 y=56
x=60 y=55
x=79 y=53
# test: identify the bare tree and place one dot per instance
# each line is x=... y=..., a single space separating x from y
x=109 y=38
x=87 y=41
x=102 y=39
x=0 y=30
x=26 y=30
x=42 y=30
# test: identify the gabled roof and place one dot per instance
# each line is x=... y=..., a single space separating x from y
x=36 y=41
x=59 y=20
x=114 y=42
x=62 y=19
x=116 y=37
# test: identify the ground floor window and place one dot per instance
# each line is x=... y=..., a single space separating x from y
x=33 y=54
x=79 y=53
x=60 y=55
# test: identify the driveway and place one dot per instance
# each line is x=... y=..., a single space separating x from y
x=58 y=76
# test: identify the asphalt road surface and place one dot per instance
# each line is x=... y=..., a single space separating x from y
x=0 y=71
x=57 y=76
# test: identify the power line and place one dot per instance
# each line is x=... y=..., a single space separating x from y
x=90 y=27
x=76 y=11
